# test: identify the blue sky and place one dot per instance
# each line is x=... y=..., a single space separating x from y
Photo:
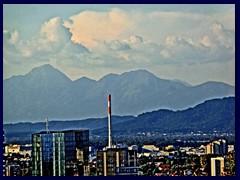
x=193 y=43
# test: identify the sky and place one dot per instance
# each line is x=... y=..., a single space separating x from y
x=192 y=43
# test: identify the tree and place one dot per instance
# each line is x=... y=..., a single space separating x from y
x=230 y=164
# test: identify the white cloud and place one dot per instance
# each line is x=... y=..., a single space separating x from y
x=134 y=40
x=165 y=53
x=223 y=36
x=51 y=42
x=53 y=30
x=89 y=28
x=205 y=41
x=216 y=45
x=117 y=40
x=14 y=37
x=26 y=53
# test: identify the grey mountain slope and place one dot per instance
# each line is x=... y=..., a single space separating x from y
x=45 y=91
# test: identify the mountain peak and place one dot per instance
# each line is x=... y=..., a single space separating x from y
x=46 y=71
x=140 y=75
x=84 y=80
x=139 y=71
x=45 y=67
x=108 y=77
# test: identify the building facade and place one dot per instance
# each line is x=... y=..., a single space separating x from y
x=111 y=161
x=217 y=166
x=60 y=153
x=217 y=147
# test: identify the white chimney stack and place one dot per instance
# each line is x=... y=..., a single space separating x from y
x=109 y=122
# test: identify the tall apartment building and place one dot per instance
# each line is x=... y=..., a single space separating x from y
x=60 y=153
x=217 y=166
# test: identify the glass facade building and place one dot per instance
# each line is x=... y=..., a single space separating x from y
x=60 y=153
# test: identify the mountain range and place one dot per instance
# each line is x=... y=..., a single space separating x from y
x=45 y=91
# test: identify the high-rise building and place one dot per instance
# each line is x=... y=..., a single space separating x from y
x=60 y=153
x=217 y=166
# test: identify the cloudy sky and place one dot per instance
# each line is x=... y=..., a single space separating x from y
x=193 y=43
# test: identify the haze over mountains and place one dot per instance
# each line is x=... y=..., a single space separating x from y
x=45 y=91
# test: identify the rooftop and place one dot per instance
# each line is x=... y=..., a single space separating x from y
x=50 y=132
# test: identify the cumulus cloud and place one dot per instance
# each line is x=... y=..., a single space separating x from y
x=52 y=42
x=14 y=37
x=205 y=41
x=118 y=39
x=217 y=45
x=117 y=45
x=165 y=53
x=89 y=27
x=223 y=36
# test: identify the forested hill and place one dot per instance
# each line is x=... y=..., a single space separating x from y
x=216 y=114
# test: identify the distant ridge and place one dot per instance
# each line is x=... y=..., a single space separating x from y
x=216 y=114
x=47 y=91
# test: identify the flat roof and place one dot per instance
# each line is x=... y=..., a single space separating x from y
x=63 y=131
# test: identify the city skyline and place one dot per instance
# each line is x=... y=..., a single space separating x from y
x=193 y=43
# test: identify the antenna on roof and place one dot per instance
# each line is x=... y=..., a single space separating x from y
x=47 y=129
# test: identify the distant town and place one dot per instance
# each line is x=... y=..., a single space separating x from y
x=78 y=152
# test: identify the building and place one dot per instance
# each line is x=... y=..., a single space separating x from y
x=13 y=170
x=169 y=147
x=150 y=148
x=230 y=148
x=15 y=148
x=4 y=161
x=217 y=166
x=217 y=147
x=116 y=161
x=111 y=160
x=60 y=153
x=127 y=171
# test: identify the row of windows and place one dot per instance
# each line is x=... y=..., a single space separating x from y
x=128 y=170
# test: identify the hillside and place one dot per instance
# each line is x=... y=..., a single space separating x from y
x=216 y=114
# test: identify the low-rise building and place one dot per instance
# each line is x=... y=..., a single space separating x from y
x=15 y=148
x=150 y=148
x=112 y=160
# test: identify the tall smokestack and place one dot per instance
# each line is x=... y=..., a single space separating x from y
x=47 y=127
x=109 y=122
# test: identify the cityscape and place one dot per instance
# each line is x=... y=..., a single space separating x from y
x=119 y=90
x=68 y=153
